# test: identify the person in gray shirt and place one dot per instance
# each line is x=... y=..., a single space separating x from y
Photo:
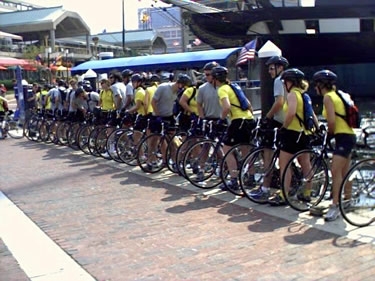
x=163 y=99
x=207 y=98
x=119 y=90
x=129 y=98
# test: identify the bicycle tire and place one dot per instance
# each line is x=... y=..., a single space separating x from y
x=295 y=195
x=83 y=138
x=151 y=161
x=111 y=144
x=238 y=153
x=359 y=210
x=203 y=158
x=72 y=135
x=181 y=152
x=254 y=170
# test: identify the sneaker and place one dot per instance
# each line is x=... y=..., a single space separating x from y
x=151 y=166
x=347 y=204
x=259 y=194
x=233 y=184
x=276 y=200
x=333 y=213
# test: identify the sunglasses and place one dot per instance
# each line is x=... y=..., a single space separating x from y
x=271 y=68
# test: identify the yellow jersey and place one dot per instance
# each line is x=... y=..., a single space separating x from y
x=140 y=96
x=341 y=127
x=225 y=91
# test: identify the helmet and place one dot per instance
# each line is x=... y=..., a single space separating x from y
x=325 y=76
x=87 y=86
x=293 y=75
x=155 y=78
x=278 y=60
x=220 y=73
x=127 y=73
x=184 y=79
x=137 y=77
x=210 y=65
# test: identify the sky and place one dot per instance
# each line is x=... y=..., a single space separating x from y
x=103 y=15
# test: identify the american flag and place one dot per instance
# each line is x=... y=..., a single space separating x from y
x=247 y=52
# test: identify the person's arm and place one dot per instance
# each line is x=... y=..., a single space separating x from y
x=331 y=115
x=184 y=103
x=276 y=107
x=137 y=106
x=225 y=107
x=292 y=109
x=155 y=107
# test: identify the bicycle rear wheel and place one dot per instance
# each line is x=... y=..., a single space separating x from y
x=357 y=194
x=233 y=159
x=202 y=164
x=305 y=189
x=15 y=129
x=254 y=172
x=150 y=153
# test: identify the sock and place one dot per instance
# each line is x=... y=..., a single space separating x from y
x=265 y=189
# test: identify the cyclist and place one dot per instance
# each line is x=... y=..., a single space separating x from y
x=126 y=79
x=150 y=91
x=273 y=119
x=345 y=138
x=187 y=101
x=3 y=106
x=208 y=104
x=293 y=136
x=119 y=90
x=242 y=121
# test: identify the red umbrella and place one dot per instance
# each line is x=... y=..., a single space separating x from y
x=7 y=61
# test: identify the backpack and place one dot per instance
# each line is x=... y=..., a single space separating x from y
x=308 y=113
x=177 y=108
x=244 y=102
x=351 y=110
x=63 y=93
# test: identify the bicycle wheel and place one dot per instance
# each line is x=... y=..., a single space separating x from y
x=31 y=128
x=202 y=164
x=83 y=138
x=357 y=194
x=231 y=166
x=126 y=148
x=306 y=189
x=73 y=135
x=52 y=131
x=254 y=172
x=15 y=129
x=92 y=140
x=111 y=144
x=181 y=152
x=43 y=131
x=101 y=141
x=150 y=153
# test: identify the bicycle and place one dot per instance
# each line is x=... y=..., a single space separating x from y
x=357 y=190
x=309 y=186
x=10 y=127
x=203 y=159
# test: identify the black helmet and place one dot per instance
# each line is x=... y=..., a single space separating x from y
x=325 y=76
x=155 y=78
x=220 y=73
x=293 y=75
x=87 y=86
x=210 y=65
x=127 y=73
x=184 y=79
x=278 y=60
x=137 y=77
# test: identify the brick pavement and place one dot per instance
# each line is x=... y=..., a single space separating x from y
x=119 y=225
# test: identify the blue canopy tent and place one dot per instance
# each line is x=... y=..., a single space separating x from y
x=157 y=62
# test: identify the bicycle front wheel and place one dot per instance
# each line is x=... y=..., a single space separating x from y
x=357 y=194
x=305 y=187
